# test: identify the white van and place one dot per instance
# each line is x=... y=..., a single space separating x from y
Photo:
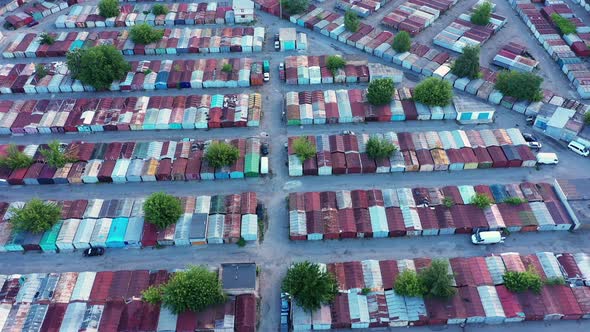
x=264 y=165
x=578 y=148
x=547 y=158
x=487 y=237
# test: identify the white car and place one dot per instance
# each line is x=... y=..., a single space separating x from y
x=487 y=237
x=547 y=158
x=281 y=66
x=277 y=45
x=266 y=77
x=578 y=148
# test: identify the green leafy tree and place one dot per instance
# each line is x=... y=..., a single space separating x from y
x=380 y=91
x=294 y=6
x=109 y=8
x=159 y=9
x=162 y=209
x=587 y=117
x=434 y=92
x=56 y=156
x=15 y=159
x=46 y=39
x=514 y=200
x=402 y=42
x=193 y=289
x=145 y=34
x=303 y=148
x=467 y=64
x=563 y=24
x=481 y=14
x=448 y=202
x=519 y=282
x=35 y=216
x=309 y=286
x=437 y=280
x=351 y=21
x=98 y=66
x=408 y=283
x=482 y=201
x=40 y=70
x=227 y=68
x=334 y=62
x=380 y=148
x=220 y=154
x=523 y=86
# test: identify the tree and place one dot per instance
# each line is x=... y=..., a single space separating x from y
x=193 y=289
x=402 y=42
x=15 y=159
x=309 y=286
x=303 y=148
x=162 y=209
x=220 y=154
x=448 y=202
x=227 y=68
x=334 y=62
x=434 y=92
x=46 y=39
x=482 y=201
x=351 y=21
x=380 y=148
x=56 y=156
x=564 y=25
x=518 y=282
x=437 y=280
x=98 y=66
x=159 y=9
x=40 y=70
x=294 y=6
x=467 y=64
x=380 y=91
x=35 y=216
x=409 y=284
x=109 y=8
x=145 y=34
x=514 y=200
x=587 y=118
x=524 y=86
x=481 y=14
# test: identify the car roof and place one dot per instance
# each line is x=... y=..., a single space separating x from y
x=491 y=236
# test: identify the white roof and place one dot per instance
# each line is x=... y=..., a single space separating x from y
x=83 y=286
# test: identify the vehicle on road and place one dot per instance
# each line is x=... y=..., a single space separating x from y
x=95 y=251
x=32 y=24
x=578 y=148
x=285 y=311
x=266 y=77
x=532 y=141
x=547 y=158
x=277 y=45
x=530 y=120
x=487 y=237
x=347 y=132
x=276 y=37
x=264 y=149
x=282 y=66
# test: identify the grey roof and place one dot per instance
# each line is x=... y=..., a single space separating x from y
x=238 y=275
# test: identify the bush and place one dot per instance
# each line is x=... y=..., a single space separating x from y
x=56 y=156
x=145 y=34
x=523 y=86
x=518 y=282
x=227 y=68
x=514 y=200
x=109 y=8
x=40 y=70
x=220 y=154
x=587 y=117
x=380 y=148
x=98 y=66
x=409 y=284
x=194 y=289
x=563 y=24
x=380 y=91
x=437 y=280
x=294 y=6
x=555 y=281
x=402 y=42
x=467 y=64
x=46 y=39
x=162 y=209
x=159 y=9
x=309 y=286
x=15 y=159
x=334 y=63
x=303 y=148
x=481 y=14
x=35 y=216
x=482 y=201
x=434 y=92
x=351 y=21
x=241 y=242
x=448 y=202
x=365 y=291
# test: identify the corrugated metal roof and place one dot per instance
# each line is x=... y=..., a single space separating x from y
x=359 y=310
x=372 y=274
x=73 y=317
x=491 y=302
x=396 y=307
x=549 y=264
x=496 y=268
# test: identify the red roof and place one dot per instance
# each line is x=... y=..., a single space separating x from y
x=389 y=272
x=340 y=312
x=565 y=299
x=510 y=304
x=186 y=321
x=532 y=305
x=532 y=261
x=337 y=270
x=353 y=272
x=359 y=199
x=312 y=201
x=120 y=285
x=395 y=221
x=101 y=286
x=111 y=316
x=428 y=218
x=245 y=313
x=54 y=317
x=471 y=295
x=582 y=295
x=569 y=264
x=346 y=223
x=363 y=221
x=439 y=310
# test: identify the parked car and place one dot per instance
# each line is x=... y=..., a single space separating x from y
x=347 y=132
x=264 y=149
x=95 y=251
x=530 y=120
x=578 y=148
x=32 y=24
x=487 y=237
x=266 y=77
x=277 y=45
x=532 y=141
x=285 y=311
x=547 y=158
x=276 y=37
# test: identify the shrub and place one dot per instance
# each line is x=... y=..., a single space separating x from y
x=482 y=201
x=563 y=24
x=437 y=280
x=402 y=42
x=227 y=68
x=524 y=86
x=109 y=8
x=518 y=282
x=220 y=154
x=434 y=92
x=334 y=63
x=409 y=284
x=15 y=159
x=46 y=39
x=448 y=202
x=380 y=91
x=351 y=21
x=35 y=216
x=145 y=34
x=587 y=117
x=555 y=281
x=294 y=6
x=97 y=66
x=159 y=9
x=40 y=70
x=56 y=156
x=467 y=64
x=481 y=14
x=303 y=148
x=514 y=200
x=380 y=148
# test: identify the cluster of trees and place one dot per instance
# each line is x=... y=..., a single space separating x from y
x=309 y=286
x=380 y=91
x=433 y=92
x=351 y=21
x=109 y=8
x=55 y=156
x=294 y=6
x=523 y=86
x=193 y=289
x=35 y=216
x=433 y=281
x=401 y=42
x=15 y=159
x=97 y=66
x=481 y=14
x=145 y=34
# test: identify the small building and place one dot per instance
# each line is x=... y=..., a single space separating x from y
x=243 y=11
x=239 y=278
x=470 y=111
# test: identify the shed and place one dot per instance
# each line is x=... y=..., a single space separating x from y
x=491 y=305
x=511 y=306
x=84 y=233
x=474 y=310
x=83 y=287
